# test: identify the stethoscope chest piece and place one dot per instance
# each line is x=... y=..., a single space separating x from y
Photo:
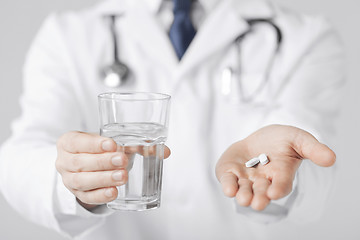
x=115 y=74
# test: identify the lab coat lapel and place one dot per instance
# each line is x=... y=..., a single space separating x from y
x=150 y=36
x=224 y=24
x=221 y=28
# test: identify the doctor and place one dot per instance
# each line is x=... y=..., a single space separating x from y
x=237 y=91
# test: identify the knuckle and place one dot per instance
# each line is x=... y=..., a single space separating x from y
x=76 y=182
x=100 y=161
x=59 y=142
x=66 y=182
x=72 y=139
x=59 y=165
x=64 y=139
x=76 y=163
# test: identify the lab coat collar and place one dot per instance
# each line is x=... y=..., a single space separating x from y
x=111 y=7
x=154 y=5
x=224 y=24
x=254 y=9
x=246 y=8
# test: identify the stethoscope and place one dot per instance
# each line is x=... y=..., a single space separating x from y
x=116 y=74
x=231 y=80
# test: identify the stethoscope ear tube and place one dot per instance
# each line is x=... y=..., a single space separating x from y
x=115 y=74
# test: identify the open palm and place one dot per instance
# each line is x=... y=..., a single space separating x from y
x=285 y=147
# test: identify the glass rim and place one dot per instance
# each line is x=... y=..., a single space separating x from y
x=142 y=96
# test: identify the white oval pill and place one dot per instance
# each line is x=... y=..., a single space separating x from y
x=252 y=162
x=263 y=159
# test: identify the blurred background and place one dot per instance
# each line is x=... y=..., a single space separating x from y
x=19 y=22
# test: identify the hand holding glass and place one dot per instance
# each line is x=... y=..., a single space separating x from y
x=138 y=123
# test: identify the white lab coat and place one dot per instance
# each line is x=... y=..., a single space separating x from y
x=62 y=81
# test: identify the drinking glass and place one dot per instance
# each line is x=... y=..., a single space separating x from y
x=138 y=123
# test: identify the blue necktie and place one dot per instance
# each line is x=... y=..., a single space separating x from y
x=182 y=31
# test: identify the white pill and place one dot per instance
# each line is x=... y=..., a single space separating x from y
x=263 y=159
x=252 y=162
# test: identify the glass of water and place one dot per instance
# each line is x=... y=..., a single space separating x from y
x=138 y=123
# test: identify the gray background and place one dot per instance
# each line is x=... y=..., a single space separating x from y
x=19 y=21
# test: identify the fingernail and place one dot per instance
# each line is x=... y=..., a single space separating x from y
x=118 y=175
x=107 y=145
x=109 y=192
x=117 y=161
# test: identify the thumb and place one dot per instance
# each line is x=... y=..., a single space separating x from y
x=307 y=146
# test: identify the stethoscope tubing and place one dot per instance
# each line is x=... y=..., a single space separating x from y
x=121 y=69
x=114 y=38
x=238 y=70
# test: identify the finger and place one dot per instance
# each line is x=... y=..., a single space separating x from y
x=260 y=199
x=80 y=142
x=281 y=186
x=229 y=184
x=84 y=162
x=307 y=146
x=97 y=196
x=86 y=181
x=245 y=193
x=167 y=152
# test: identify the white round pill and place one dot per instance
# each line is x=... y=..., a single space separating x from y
x=263 y=159
x=252 y=162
